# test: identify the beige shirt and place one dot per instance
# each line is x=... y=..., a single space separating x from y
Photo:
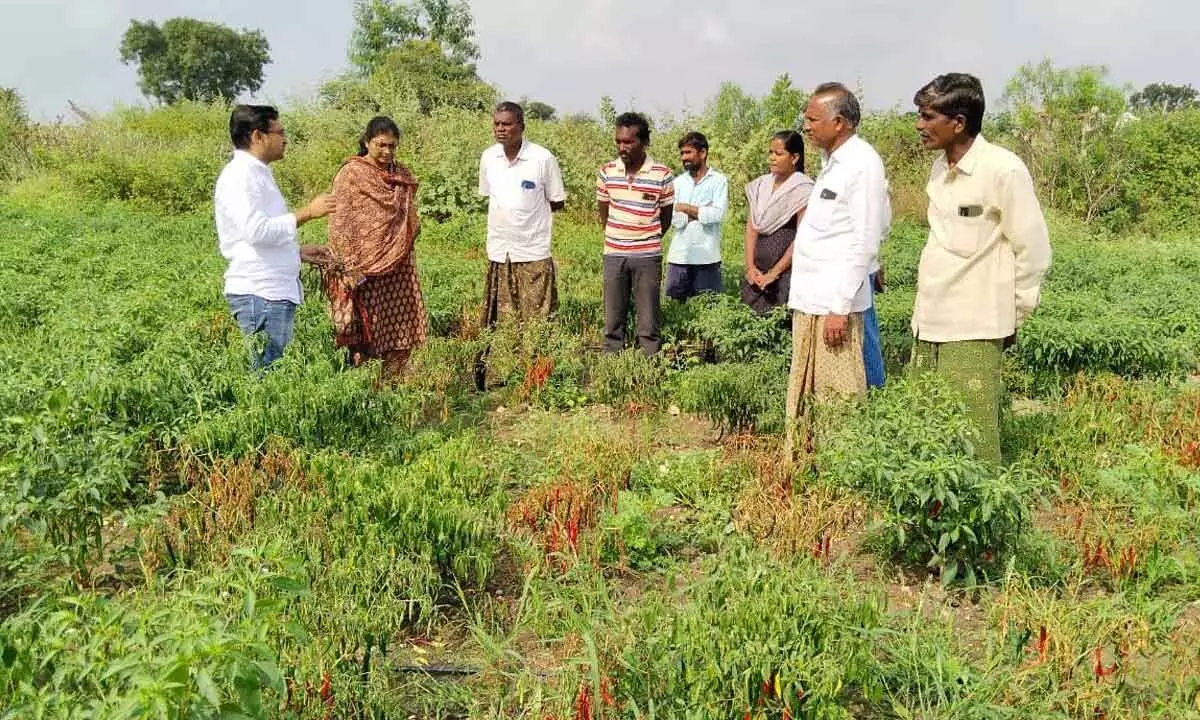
x=981 y=270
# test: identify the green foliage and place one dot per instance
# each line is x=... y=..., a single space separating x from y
x=634 y=536
x=418 y=68
x=189 y=59
x=166 y=159
x=617 y=379
x=1159 y=191
x=381 y=26
x=736 y=397
x=538 y=110
x=750 y=632
x=179 y=539
x=1165 y=97
x=14 y=134
x=910 y=449
x=206 y=652
x=734 y=331
x=1065 y=124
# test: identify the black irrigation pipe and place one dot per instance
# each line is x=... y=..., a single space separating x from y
x=447 y=670
x=438 y=670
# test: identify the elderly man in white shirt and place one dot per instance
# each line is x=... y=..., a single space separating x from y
x=523 y=185
x=836 y=247
x=257 y=234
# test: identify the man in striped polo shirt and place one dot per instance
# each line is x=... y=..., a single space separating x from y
x=636 y=196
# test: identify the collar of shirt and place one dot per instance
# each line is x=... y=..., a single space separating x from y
x=647 y=165
x=968 y=163
x=244 y=157
x=846 y=148
x=707 y=172
x=522 y=154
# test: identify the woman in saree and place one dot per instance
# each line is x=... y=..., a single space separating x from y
x=369 y=274
x=776 y=201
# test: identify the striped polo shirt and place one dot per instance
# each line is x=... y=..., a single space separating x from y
x=633 y=207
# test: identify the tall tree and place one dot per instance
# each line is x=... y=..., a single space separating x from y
x=1165 y=97
x=381 y=26
x=538 y=110
x=189 y=59
x=420 y=69
x=1065 y=121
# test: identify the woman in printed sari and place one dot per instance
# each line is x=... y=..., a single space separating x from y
x=777 y=201
x=368 y=271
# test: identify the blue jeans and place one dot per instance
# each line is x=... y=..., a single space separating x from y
x=872 y=344
x=276 y=319
x=685 y=281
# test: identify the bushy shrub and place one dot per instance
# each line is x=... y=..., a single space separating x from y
x=14 y=134
x=617 y=379
x=1159 y=190
x=752 y=634
x=911 y=449
x=736 y=396
x=165 y=159
x=734 y=331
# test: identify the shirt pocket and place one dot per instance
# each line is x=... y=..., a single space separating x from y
x=822 y=205
x=527 y=193
x=968 y=227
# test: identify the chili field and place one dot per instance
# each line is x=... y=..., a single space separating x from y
x=597 y=536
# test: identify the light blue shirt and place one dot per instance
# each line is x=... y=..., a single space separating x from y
x=698 y=242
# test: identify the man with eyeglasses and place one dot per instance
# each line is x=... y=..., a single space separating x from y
x=257 y=234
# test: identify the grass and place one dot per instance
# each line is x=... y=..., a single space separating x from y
x=597 y=537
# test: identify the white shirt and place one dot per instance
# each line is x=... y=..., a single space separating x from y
x=257 y=234
x=838 y=240
x=519 y=196
x=988 y=250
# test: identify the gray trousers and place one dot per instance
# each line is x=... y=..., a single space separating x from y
x=641 y=276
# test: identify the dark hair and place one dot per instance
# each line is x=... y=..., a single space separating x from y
x=637 y=120
x=379 y=125
x=844 y=102
x=955 y=94
x=245 y=119
x=793 y=142
x=512 y=107
x=695 y=140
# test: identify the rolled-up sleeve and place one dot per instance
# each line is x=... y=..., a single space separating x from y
x=714 y=213
x=1024 y=225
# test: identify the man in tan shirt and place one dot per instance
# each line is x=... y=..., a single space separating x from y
x=981 y=270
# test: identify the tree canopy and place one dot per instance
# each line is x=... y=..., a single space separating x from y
x=188 y=59
x=538 y=110
x=382 y=26
x=1165 y=97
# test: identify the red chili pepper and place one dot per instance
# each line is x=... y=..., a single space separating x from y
x=327 y=696
x=605 y=695
x=1100 y=670
x=936 y=509
x=583 y=703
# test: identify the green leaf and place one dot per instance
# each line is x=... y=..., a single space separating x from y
x=249 y=692
x=249 y=604
x=291 y=585
x=208 y=689
x=949 y=572
x=271 y=676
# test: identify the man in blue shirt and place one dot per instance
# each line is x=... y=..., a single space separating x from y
x=701 y=199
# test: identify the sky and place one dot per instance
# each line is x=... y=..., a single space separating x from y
x=667 y=55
